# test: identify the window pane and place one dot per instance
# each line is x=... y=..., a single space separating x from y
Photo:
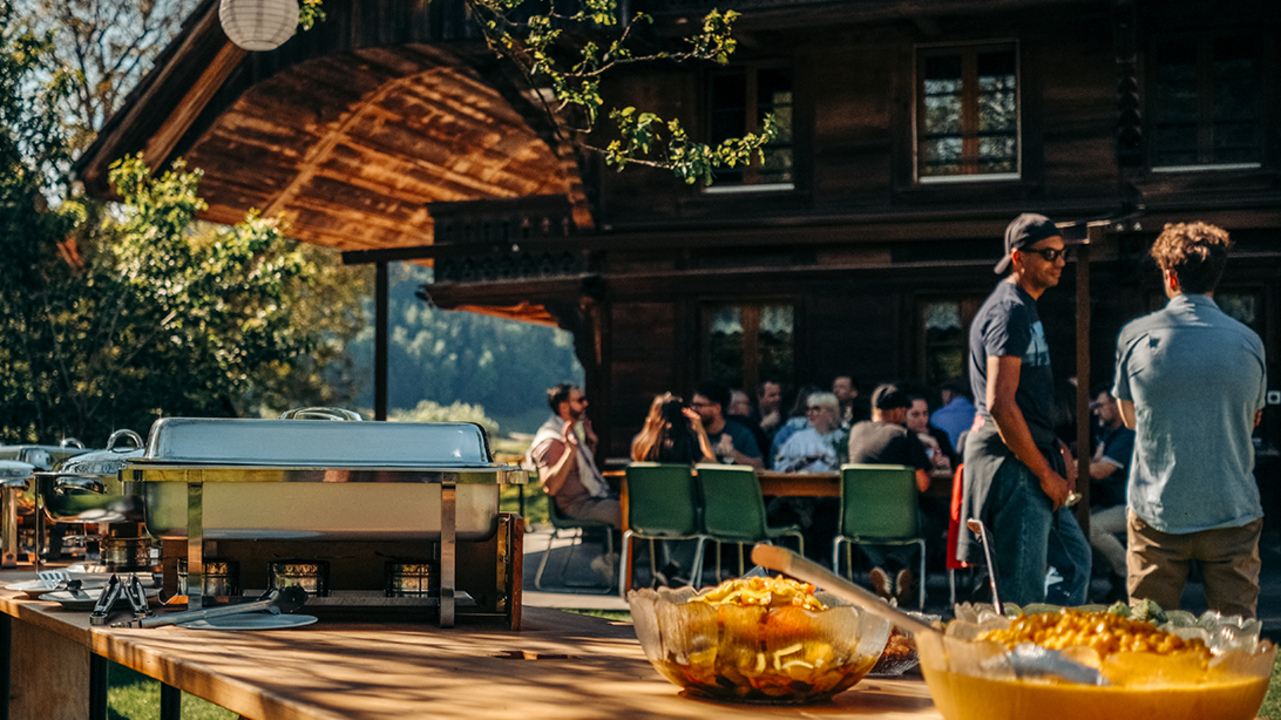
x=970 y=118
x=1242 y=307
x=776 y=342
x=1206 y=101
x=944 y=340
x=777 y=167
x=726 y=344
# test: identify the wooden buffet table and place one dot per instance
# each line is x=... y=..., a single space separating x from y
x=559 y=666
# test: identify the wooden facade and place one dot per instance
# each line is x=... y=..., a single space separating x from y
x=871 y=263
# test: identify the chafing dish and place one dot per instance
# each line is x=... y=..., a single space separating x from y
x=15 y=478
x=86 y=488
x=316 y=481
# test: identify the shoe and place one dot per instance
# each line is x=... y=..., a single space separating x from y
x=881 y=583
x=606 y=566
x=903 y=587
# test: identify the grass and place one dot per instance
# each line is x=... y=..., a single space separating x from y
x=535 y=501
x=1271 y=709
x=615 y=615
x=134 y=696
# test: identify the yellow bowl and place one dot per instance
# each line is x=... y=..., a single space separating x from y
x=1143 y=685
x=756 y=654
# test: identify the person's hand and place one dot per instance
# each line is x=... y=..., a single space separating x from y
x=725 y=446
x=695 y=420
x=769 y=420
x=568 y=435
x=1057 y=487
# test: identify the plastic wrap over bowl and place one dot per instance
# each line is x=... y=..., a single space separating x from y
x=973 y=680
x=756 y=654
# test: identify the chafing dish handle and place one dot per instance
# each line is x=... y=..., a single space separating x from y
x=87 y=483
x=106 y=601
x=319 y=413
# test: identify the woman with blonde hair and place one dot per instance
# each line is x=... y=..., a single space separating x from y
x=819 y=447
x=673 y=432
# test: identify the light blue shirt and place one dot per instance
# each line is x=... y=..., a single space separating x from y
x=954 y=418
x=1196 y=378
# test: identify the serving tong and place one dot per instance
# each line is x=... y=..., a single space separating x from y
x=131 y=589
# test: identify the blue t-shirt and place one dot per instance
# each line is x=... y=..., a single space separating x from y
x=1196 y=378
x=744 y=440
x=1008 y=325
x=1118 y=447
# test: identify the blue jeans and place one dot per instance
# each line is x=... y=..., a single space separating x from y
x=1026 y=532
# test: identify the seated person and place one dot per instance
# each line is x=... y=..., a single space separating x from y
x=673 y=433
x=796 y=420
x=566 y=464
x=957 y=414
x=740 y=410
x=937 y=447
x=885 y=440
x=1109 y=476
x=820 y=447
x=733 y=443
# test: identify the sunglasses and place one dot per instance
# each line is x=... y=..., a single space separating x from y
x=1049 y=254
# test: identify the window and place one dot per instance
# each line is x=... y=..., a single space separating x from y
x=967 y=114
x=1205 y=103
x=740 y=99
x=746 y=343
x=943 y=338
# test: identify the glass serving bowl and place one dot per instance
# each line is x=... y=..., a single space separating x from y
x=973 y=680
x=754 y=654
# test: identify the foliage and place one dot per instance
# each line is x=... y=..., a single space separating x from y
x=106 y=46
x=568 y=48
x=445 y=357
x=428 y=411
x=150 y=319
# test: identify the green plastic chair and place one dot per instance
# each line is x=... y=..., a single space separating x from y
x=662 y=504
x=880 y=505
x=734 y=510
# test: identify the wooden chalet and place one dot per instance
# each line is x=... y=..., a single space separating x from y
x=863 y=244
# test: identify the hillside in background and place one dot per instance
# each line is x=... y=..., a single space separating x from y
x=447 y=357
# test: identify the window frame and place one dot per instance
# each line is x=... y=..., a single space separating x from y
x=966 y=50
x=751 y=125
x=751 y=311
x=1204 y=71
x=968 y=306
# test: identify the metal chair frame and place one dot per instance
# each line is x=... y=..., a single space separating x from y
x=563 y=522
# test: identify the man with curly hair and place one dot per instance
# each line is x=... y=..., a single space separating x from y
x=1191 y=382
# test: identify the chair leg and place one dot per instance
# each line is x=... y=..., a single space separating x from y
x=542 y=564
x=921 y=582
x=836 y=555
x=624 y=564
x=951 y=587
x=696 y=574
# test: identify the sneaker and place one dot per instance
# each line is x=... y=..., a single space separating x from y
x=606 y=566
x=881 y=583
x=903 y=587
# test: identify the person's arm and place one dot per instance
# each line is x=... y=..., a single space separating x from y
x=1100 y=469
x=1127 y=413
x=560 y=456
x=1002 y=385
x=704 y=443
x=741 y=459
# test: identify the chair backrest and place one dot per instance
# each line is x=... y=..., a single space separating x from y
x=733 y=508
x=561 y=521
x=879 y=501
x=662 y=500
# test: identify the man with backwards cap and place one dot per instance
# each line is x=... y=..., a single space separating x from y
x=1014 y=477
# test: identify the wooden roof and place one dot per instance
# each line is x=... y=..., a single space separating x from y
x=348 y=130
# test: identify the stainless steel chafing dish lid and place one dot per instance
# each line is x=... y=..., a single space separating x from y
x=15 y=470
x=321 y=444
x=42 y=456
x=104 y=462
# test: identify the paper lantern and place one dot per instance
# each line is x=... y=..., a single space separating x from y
x=258 y=25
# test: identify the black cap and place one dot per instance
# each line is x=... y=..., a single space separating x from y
x=889 y=397
x=1027 y=229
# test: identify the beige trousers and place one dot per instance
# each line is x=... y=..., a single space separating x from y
x=1229 y=558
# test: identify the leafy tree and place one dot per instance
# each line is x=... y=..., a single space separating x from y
x=153 y=319
x=107 y=45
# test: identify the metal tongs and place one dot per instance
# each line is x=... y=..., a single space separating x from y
x=285 y=599
x=131 y=589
